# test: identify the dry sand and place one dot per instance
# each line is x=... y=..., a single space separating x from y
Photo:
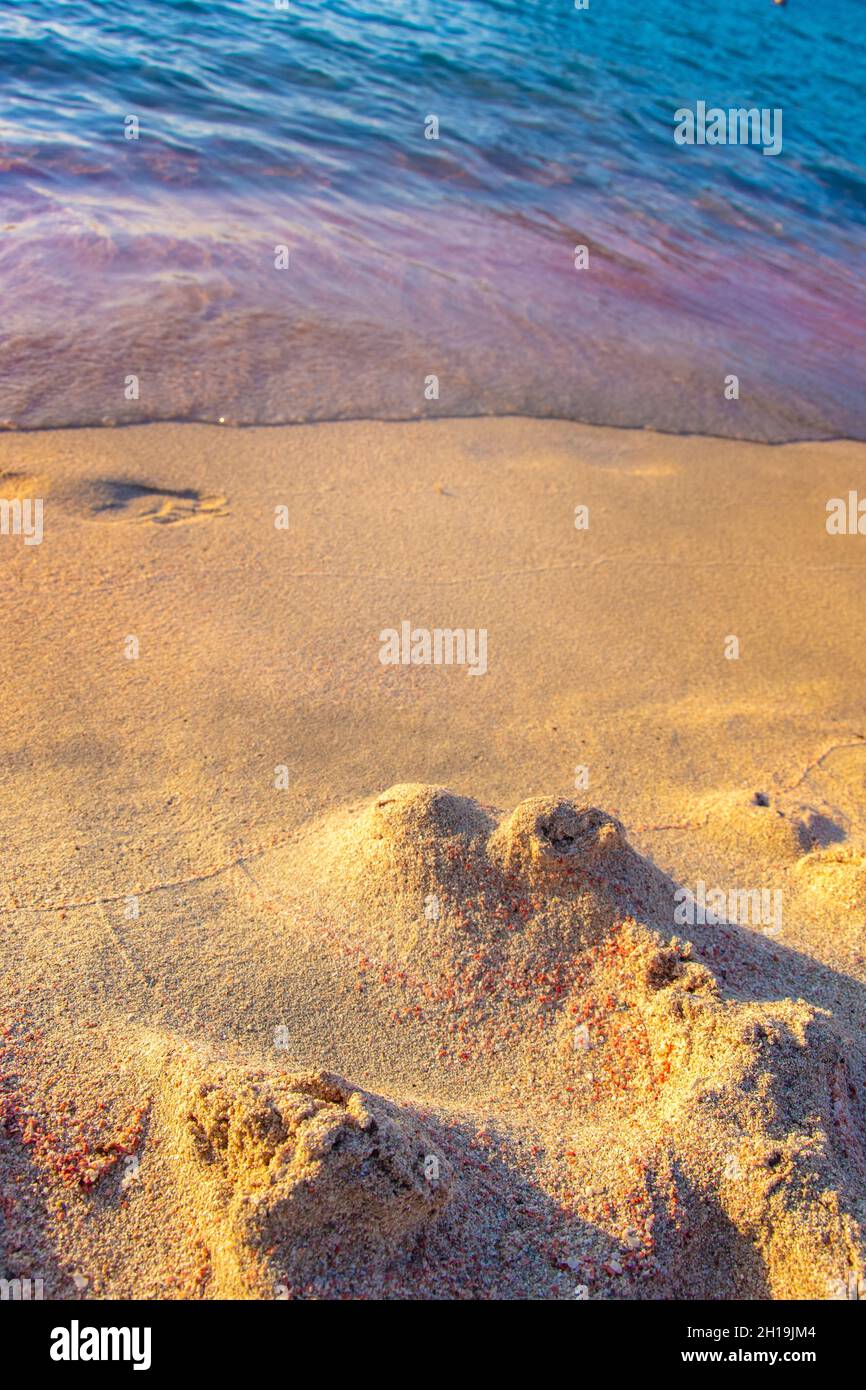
x=420 y=1022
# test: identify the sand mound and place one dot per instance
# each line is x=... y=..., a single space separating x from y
x=545 y=839
x=743 y=1121
x=766 y=1123
x=752 y=824
x=764 y=828
x=549 y=943
x=836 y=875
x=299 y=1177
x=436 y=875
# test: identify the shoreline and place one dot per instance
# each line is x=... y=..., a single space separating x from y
x=25 y=430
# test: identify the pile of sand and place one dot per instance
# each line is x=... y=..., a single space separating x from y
x=434 y=880
x=751 y=1111
x=542 y=937
x=301 y=1176
x=691 y=1126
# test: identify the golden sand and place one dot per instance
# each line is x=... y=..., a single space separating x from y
x=323 y=977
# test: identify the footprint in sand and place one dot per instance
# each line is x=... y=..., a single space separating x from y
x=118 y=500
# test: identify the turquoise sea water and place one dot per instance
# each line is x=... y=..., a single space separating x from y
x=410 y=257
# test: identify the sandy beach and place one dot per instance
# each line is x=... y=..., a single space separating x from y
x=320 y=977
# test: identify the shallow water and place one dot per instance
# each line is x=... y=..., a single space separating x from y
x=411 y=257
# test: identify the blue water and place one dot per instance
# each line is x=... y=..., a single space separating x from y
x=409 y=257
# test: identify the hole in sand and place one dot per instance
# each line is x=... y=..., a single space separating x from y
x=558 y=833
